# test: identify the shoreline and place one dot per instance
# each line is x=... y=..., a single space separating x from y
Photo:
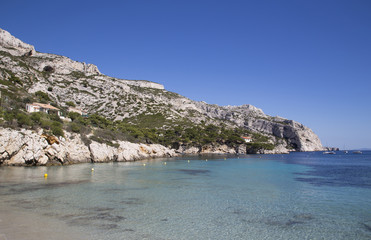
x=30 y=148
x=211 y=155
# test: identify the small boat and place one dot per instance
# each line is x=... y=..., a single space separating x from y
x=330 y=152
x=357 y=152
x=346 y=152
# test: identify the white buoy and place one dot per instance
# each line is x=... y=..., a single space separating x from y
x=92 y=169
x=188 y=161
x=144 y=164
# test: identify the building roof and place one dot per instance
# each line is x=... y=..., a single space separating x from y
x=246 y=137
x=46 y=106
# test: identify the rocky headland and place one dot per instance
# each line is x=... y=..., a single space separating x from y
x=159 y=116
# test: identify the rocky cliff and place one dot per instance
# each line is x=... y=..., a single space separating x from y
x=65 y=80
x=26 y=147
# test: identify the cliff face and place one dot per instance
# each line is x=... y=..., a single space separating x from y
x=66 y=80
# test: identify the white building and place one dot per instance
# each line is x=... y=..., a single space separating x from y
x=40 y=107
x=247 y=139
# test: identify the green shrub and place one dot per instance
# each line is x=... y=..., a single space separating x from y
x=54 y=117
x=36 y=117
x=9 y=115
x=85 y=140
x=71 y=104
x=43 y=97
x=23 y=119
x=57 y=130
x=256 y=147
x=75 y=127
x=15 y=79
x=74 y=115
x=45 y=123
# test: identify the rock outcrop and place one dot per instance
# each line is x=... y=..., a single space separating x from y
x=26 y=147
x=211 y=149
x=15 y=46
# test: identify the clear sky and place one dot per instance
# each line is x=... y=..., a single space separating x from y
x=309 y=61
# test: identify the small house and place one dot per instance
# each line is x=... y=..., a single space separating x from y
x=41 y=107
x=247 y=139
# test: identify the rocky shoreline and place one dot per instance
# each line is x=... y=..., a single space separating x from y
x=33 y=148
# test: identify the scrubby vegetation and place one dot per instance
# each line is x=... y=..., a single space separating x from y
x=149 y=129
x=152 y=126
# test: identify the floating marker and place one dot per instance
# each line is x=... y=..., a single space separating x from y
x=144 y=164
x=45 y=175
x=225 y=159
x=164 y=163
x=188 y=160
x=206 y=160
x=92 y=169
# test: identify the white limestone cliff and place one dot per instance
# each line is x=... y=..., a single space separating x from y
x=26 y=147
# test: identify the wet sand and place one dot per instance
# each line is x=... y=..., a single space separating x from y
x=16 y=225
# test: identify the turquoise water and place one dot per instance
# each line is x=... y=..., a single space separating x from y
x=295 y=196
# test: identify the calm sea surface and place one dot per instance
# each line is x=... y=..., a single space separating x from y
x=294 y=196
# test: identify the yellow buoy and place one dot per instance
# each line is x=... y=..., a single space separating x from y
x=144 y=164
x=92 y=169
x=188 y=160
x=225 y=159
x=45 y=175
x=206 y=160
x=164 y=163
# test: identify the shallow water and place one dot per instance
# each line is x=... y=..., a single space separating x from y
x=295 y=196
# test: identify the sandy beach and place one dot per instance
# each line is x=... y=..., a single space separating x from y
x=15 y=224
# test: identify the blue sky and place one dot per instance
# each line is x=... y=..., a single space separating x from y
x=304 y=60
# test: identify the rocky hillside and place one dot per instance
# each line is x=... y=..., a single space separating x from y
x=26 y=72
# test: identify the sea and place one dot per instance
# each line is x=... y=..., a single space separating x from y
x=306 y=195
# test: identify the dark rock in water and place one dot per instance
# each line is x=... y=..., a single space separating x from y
x=293 y=222
x=100 y=209
x=132 y=201
x=303 y=217
x=108 y=226
x=194 y=171
x=282 y=221
x=367 y=226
